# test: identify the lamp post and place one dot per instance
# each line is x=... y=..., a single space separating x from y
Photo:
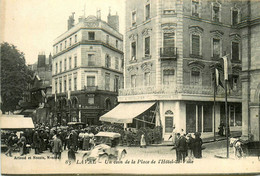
x=79 y=113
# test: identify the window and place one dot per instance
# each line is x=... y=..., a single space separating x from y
x=91 y=60
x=70 y=84
x=56 y=86
x=116 y=63
x=195 y=45
x=216 y=12
x=168 y=77
x=60 y=46
x=234 y=17
x=235 y=51
x=235 y=82
x=133 y=51
x=91 y=99
x=107 y=81
x=69 y=62
x=168 y=7
x=65 y=64
x=133 y=81
x=147 y=46
x=147 y=79
x=168 y=39
x=65 y=45
x=75 y=83
x=108 y=61
x=116 y=43
x=75 y=61
x=195 y=77
x=60 y=66
x=60 y=86
x=116 y=84
x=65 y=85
x=57 y=49
x=108 y=105
x=216 y=48
x=147 y=12
x=91 y=81
x=195 y=8
x=56 y=68
x=76 y=38
x=91 y=35
x=134 y=18
x=107 y=39
x=70 y=41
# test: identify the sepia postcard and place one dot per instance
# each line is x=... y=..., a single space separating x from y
x=130 y=87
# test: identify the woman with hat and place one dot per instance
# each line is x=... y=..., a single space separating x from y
x=197 y=146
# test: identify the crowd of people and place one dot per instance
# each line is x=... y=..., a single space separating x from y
x=186 y=146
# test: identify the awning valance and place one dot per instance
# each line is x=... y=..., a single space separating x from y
x=125 y=112
x=14 y=122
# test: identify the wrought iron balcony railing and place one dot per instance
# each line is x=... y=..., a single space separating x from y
x=168 y=53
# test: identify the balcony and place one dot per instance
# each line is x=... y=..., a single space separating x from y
x=90 y=88
x=207 y=90
x=181 y=92
x=148 y=90
x=168 y=53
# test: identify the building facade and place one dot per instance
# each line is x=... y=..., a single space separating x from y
x=37 y=100
x=250 y=33
x=87 y=69
x=171 y=48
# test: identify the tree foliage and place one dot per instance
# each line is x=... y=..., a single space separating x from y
x=14 y=76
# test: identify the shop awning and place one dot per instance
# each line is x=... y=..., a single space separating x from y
x=125 y=112
x=16 y=122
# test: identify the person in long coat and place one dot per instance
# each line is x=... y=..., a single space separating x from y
x=22 y=144
x=36 y=142
x=182 y=148
x=85 y=141
x=57 y=147
x=190 y=144
x=197 y=146
x=142 y=141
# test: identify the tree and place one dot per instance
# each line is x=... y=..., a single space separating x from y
x=14 y=76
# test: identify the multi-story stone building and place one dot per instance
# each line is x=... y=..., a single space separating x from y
x=87 y=69
x=250 y=34
x=171 y=48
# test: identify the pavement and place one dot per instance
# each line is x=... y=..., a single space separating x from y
x=205 y=139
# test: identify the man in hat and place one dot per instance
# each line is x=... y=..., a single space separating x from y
x=177 y=149
x=57 y=147
x=190 y=143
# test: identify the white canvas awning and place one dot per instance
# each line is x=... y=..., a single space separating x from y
x=15 y=122
x=125 y=112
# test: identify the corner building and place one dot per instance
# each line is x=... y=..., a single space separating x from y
x=87 y=69
x=170 y=51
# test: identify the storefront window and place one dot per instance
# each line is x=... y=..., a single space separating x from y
x=190 y=118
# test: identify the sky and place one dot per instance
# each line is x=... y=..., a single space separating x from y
x=32 y=25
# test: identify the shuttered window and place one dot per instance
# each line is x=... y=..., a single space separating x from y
x=147 y=46
x=196 y=45
x=216 y=47
x=235 y=51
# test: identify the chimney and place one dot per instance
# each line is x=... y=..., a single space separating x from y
x=113 y=21
x=71 y=21
x=98 y=14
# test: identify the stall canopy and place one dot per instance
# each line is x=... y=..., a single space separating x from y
x=15 y=122
x=125 y=112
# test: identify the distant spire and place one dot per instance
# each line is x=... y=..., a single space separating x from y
x=109 y=10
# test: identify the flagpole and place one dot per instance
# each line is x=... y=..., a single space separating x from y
x=227 y=131
x=214 y=109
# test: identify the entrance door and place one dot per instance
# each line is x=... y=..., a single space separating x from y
x=169 y=121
